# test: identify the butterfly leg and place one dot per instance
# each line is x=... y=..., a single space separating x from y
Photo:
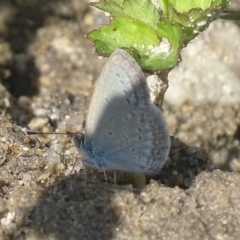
x=105 y=175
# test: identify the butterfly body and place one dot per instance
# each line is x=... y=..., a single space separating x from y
x=124 y=130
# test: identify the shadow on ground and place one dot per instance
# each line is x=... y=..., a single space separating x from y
x=73 y=208
x=23 y=19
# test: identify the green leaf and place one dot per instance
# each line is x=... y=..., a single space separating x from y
x=195 y=20
x=123 y=32
x=143 y=10
x=153 y=31
x=184 y=6
x=166 y=54
x=154 y=50
x=187 y=5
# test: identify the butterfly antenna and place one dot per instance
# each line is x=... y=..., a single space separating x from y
x=38 y=133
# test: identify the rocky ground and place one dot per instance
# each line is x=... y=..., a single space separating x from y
x=47 y=72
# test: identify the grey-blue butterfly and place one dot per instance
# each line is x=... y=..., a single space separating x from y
x=124 y=130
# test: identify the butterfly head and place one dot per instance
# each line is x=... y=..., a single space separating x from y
x=78 y=138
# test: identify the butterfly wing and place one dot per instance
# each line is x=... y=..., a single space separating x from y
x=139 y=143
x=124 y=130
x=120 y=84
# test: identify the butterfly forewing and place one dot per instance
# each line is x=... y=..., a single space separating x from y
x=120 y=84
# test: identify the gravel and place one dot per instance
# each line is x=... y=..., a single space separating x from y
x=47 y=72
